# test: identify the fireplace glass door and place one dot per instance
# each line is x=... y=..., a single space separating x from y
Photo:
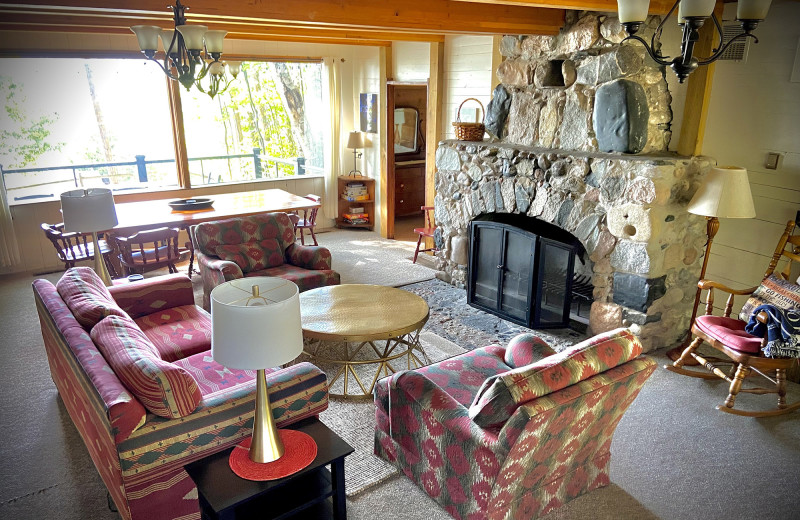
x=555 y=263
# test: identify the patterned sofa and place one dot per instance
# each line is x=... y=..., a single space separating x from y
x=510 y=433
x=133 y=367
x=259 y=245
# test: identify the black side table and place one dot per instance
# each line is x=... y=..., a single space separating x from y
x=315 y=491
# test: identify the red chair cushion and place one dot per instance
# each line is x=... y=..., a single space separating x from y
x=428 y=232
x=729 y=332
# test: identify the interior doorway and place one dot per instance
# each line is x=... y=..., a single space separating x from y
x=407 y=105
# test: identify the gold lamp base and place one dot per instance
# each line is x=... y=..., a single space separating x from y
x=266 y=445
x=99 y=263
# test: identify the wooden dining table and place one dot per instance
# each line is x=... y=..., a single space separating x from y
x=152 y=214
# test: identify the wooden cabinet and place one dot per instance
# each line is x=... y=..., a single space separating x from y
x=349 y=185
x=409 y=188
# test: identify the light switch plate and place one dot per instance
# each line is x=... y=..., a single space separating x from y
x=772 y=161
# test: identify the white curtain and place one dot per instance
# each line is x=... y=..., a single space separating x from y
x=333 y=93
x=9 y=249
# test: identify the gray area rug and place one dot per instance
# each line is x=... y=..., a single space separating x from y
x=354 y=420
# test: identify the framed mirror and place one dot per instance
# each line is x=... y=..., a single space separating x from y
x=406 y=129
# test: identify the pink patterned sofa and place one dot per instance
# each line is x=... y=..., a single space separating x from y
x=259 y=245
x=133 y=367
x=510 y=433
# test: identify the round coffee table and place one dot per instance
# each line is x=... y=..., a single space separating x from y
x=367 y=324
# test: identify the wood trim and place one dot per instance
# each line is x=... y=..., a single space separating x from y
x=385 y=72
x=178 y=133
x=497 y=59
x=656 y=6
x=390 y=173
x=698 y=93
x=433 y=129
x=420 y=16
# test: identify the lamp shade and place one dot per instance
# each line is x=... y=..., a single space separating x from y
x=632 y=10
x=166 y=39
x=696 y=8
x=724 y=193
x=752 y=9
x=88 y=210
x=356 y=140
x=147 y=36
x=255 y=323
x=214 y=40
x=192 y=36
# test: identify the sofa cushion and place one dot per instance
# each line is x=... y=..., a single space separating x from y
x=525 y=349
x=240 y=230
x=774 y=290
x=500 y=395
x=178 y=332
x=304 y=278
x=87 y=296
x=165 y=389
x=212 y=377
x=253 y=256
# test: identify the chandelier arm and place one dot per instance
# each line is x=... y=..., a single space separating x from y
x=719 y=28
x=656 y=57
x=659 y=29
x=164 y=67
x=722 y=50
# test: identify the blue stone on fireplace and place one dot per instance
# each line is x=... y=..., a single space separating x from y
x=637 y=292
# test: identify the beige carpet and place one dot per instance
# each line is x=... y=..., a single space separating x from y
x=354 y=421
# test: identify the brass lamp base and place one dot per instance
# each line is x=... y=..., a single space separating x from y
x=99 y=264
x=266 y=445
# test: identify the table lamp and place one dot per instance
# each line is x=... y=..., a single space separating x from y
x=90 y=210
x=724 y=193
x=355 y=142
x=255 y=325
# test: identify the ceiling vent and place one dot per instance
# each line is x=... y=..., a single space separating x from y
x=738 y=49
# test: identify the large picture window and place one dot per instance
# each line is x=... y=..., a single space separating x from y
x=71 y=123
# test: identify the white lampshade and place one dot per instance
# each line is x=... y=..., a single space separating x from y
x=88 y=210
x=356 y=140
x=752 y=9
x=632 y=10
x=724 y=193
x=255 y=332
x=234 y=67
x=214 y=40
x=166 y=39
x=696 y=7
x=147 y=35
x=193 y=36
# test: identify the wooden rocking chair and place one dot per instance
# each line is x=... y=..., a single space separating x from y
x=727 y=335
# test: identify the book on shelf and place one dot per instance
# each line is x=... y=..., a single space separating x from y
x=356 y=198
x=356 y=209
x=355 y=216
x=356 y=221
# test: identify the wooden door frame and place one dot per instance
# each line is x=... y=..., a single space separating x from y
x=390 y=165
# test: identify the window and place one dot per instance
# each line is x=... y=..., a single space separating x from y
x=71 y=123
x=267 y=124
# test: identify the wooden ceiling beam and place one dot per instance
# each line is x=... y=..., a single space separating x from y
x=656 y=6
x=422 y=16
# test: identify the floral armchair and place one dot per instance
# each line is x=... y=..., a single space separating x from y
x=510 y=433
x=258 y=245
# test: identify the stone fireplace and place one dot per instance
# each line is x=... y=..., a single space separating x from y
x=581 y=128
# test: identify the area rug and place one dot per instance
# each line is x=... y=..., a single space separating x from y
x=354 y=421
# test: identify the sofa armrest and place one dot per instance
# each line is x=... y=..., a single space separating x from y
x=152 y=294
x=317 y=258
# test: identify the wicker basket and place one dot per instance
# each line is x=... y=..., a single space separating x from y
x=469 y=131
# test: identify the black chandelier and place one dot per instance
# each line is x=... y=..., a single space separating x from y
x=191 y=52
x=692 y=14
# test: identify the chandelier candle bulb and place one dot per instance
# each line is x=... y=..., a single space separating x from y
x=752 y=9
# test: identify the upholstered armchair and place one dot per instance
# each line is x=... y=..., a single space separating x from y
x=258 y=245
x=510 y=433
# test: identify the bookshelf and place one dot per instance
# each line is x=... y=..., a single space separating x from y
x=353 y=185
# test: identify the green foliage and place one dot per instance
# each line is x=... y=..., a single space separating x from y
x=22 y=140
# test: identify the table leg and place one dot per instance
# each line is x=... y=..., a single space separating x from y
x=339 y=499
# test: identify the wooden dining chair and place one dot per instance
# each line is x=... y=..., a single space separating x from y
x=151 y=249
x=307 y=219
x=426 y=231
x=76 y=247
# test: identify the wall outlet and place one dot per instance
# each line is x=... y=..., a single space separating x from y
x=772 y=161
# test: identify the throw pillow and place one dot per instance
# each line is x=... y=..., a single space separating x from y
x=526 y=349
x=87 y=296
x=774 y=290
x=253 y=256
x=165 y=389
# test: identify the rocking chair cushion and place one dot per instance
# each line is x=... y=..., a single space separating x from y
x=730 y=332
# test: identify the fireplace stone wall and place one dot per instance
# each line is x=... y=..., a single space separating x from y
x=629 y=213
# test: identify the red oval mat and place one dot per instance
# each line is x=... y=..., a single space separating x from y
x=299 y=451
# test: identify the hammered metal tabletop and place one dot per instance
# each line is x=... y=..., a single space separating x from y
x=359 y=312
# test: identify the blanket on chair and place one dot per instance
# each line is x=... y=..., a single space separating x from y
x=782 y=330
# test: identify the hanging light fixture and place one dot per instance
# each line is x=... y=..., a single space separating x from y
x=191 y=52
x=692 y=14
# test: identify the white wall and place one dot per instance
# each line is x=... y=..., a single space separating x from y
x=467 y=73
x=411 y=61
x=754 y=109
